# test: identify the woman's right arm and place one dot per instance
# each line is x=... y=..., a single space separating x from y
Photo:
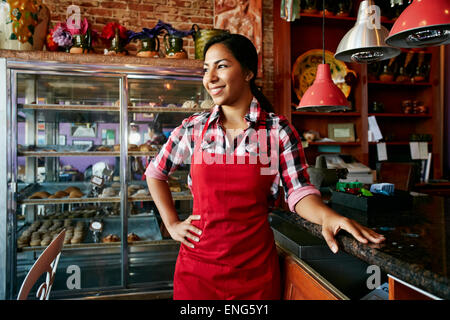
x=174 y=152
x=178 y=230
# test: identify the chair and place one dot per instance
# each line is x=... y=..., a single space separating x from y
x=47 y=262
x=398 y=173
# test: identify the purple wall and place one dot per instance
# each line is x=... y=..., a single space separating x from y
x=81 y=163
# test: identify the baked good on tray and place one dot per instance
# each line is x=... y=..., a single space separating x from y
x=111 y=238
x=40 y=195
x=133 y=237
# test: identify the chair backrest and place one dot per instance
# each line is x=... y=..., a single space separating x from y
x=47 y=262
x=398 y=173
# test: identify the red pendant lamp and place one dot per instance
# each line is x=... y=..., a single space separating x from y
x=424 y=23
x=323 y=95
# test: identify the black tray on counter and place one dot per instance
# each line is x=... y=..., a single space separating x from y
x=401 y=200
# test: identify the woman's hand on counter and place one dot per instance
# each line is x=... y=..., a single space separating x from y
x=313 y=209
x=334 y=222
x=183 y=230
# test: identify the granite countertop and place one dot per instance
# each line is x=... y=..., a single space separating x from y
x=417 y=246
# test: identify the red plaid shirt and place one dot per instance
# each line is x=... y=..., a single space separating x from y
x=291 y=163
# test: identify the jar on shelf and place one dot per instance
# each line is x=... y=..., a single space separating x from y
x=150 y=48
x=386 y=75
x=407 y=106
x=174 y=47
x=309 y=7
x=343 y=8
x=377 y=107
x=419 y=107
x=402 y=76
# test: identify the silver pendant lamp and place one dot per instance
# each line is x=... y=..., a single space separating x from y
x=365 y=42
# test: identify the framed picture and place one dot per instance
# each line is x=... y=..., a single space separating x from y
x=87 y=143
x=62 y=140
x=341 y=132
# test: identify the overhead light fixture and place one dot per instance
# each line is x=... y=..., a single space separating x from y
x=365 y=42
x=323 y=95
x=424 y=23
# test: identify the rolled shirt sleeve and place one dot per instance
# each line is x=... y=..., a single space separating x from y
x=173 y=153
x=293 y=173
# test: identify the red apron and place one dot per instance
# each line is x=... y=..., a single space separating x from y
x=236 y=257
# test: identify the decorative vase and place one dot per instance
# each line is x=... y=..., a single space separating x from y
x=41 y=30
x=174 y=47
x=77 y=44
x=150 y=48
x=116 y=46
x=18 y=20
x=202 y=36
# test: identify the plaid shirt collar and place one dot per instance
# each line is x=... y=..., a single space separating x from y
x=251 y=117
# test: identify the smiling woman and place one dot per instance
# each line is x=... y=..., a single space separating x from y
x=227 y=246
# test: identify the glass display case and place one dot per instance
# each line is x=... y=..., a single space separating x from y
x=79 y=139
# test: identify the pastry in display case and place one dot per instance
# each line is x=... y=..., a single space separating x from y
x=73 y=168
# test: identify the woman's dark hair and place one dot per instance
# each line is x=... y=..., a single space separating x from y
x=245 y=52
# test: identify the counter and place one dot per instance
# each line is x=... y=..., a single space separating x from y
x=417 y=246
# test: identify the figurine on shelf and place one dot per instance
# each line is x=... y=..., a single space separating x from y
x=149 y=40
x=118 y=36
x=173 y=41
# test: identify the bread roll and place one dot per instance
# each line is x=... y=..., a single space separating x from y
x=70 y=189
x=75 y=194
x=133 y=147
x=40 y=195
x=144 y=148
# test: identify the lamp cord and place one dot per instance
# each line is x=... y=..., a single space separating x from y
x=323 y=31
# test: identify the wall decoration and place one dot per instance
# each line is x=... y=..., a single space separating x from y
x=84 y=130
x=342 y=132
x=243 y=17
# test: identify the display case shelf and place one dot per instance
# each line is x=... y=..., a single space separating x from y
x=164 y=110
x=61 y=107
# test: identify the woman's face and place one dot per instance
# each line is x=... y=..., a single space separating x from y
x=224 y=78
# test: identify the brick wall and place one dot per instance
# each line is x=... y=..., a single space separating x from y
x=137 y=14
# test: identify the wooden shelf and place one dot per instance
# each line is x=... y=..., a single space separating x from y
x=399 y=143
x=335 y=17
x=401 y=115
x=335 y=143
x=395 y=83
x=326 y=114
